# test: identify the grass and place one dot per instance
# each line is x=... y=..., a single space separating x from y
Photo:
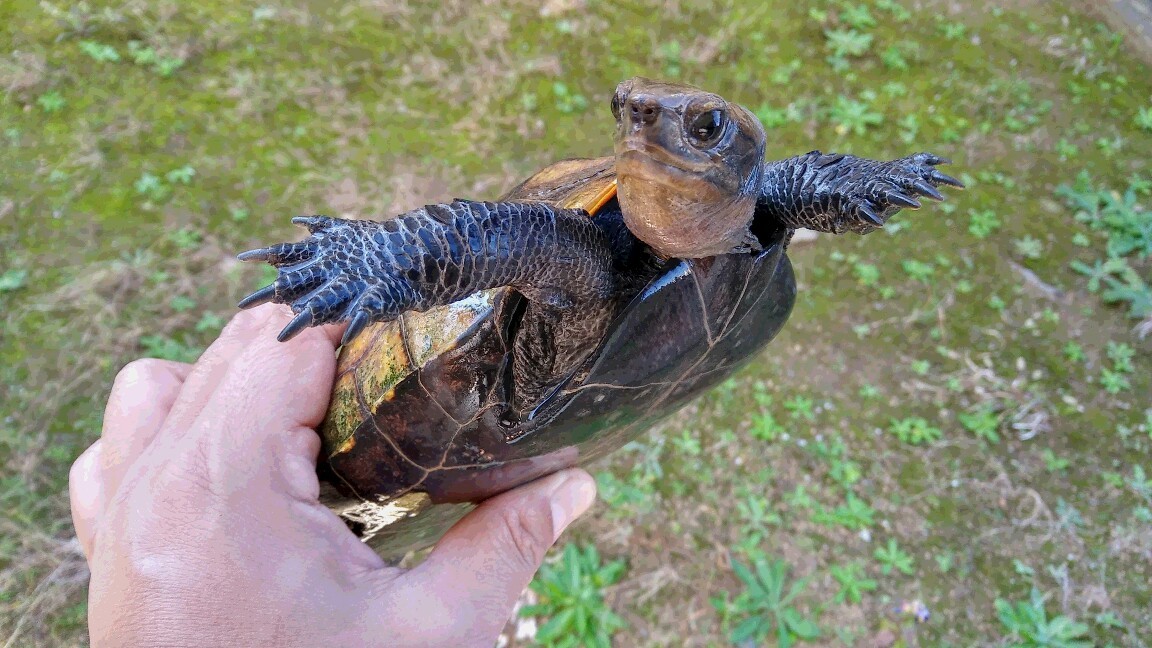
x=956 y=423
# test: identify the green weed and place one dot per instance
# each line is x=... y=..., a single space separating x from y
x=624 y=495
x=841 y=469
x=854 y=514
x=568 y=101
x=892 y=558
x=1028 y=625
x=186 y=238
x=1121 y=356
x=801 y=407
x=918 y=270
x=570 y=596
x=146 y=56
x=181 y=303
x=846 y=43
x=1126 y=225
x=1114 y=382
x=1144 y=118
x=914 y=431
x=982 y=223
x=899 y=12
x=1029 y=247
x=13 y=279
x=982 y=421
x=850 y=116
x=867 y=274
x=767 y=605
x=99 y=51
x=766 y=428
x=151 y=186
x=1052 y=463
x=857 y=16
x=669 y=53
x=209 y=322
x=853 y=582
x=51 y=102
x=1141 y=483
x=756 y=516
x=951 y=30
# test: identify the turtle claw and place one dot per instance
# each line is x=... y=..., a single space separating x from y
x=259 y=254
x=871 y=215
x=925 y=189
x=303 y=320
x=283 y=254
x=355 y=327
x=262 y=296
x=313 y=223
x=943 y=179
x=897 y=198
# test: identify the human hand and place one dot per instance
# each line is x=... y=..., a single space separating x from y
x=198 y=512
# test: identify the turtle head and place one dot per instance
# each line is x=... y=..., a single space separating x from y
x=688 y=167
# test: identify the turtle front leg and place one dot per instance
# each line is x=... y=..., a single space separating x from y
x=841 y=193
x=364 y=271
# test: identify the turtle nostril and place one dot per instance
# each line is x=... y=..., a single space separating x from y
x=644 y=110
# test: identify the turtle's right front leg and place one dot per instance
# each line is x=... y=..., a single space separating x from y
x=364 y=271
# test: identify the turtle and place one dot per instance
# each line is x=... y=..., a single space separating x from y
x=491 y=343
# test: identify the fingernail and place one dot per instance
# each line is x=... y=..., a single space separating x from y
x=570 y=500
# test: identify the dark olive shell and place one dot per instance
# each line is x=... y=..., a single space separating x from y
x=414 y=434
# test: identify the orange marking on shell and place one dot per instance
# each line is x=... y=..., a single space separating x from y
x=606 y=194
x=347 y=445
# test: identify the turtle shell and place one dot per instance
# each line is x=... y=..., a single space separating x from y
x=414 y=437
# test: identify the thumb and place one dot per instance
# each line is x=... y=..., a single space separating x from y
x=486 y=560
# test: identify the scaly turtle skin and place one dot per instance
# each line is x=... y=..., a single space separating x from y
x=490 y=343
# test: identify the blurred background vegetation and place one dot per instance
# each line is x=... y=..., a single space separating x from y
x=957 y=422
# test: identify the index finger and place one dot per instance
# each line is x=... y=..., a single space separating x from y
x=214 y=363
x=257 y=426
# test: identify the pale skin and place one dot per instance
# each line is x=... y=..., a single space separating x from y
x=198 y=513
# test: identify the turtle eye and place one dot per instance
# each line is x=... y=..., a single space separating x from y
x=707 y=126
x=617 y=104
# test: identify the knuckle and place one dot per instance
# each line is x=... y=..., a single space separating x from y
x=141 y=372
x=528 y=534
x=314 y=341
x=78 y=472
x=247 y=321
x=75 y=472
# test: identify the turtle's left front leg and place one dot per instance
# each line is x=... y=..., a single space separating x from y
x=843 y=193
